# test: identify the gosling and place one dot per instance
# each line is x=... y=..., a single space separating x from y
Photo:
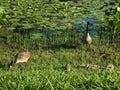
x=68 y=68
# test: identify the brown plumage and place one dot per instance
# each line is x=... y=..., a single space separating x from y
x=68 y=68
x=110 y=67
x=20 y=58
x=104 y=55
x=90 y=66
x=88 y=39
x=93 y=67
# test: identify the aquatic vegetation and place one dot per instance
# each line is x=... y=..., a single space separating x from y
x=53 y=33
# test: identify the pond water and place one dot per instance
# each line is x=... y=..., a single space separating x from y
x=53 y=17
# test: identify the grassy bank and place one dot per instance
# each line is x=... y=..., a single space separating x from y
x=46 y=69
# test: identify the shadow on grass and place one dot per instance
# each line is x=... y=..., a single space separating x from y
x=3 y=66
x=59 y=46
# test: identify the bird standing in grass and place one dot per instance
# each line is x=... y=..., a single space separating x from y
x=68 y=68
x=88 y=37
x=110 y=67
x=20 y=58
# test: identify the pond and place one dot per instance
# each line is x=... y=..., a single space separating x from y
x=57 y=19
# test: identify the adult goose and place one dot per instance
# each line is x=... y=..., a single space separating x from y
x=88 y=37
x=20 y=58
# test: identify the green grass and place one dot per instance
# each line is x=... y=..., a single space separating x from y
x=53 y=79
x=46 y=69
